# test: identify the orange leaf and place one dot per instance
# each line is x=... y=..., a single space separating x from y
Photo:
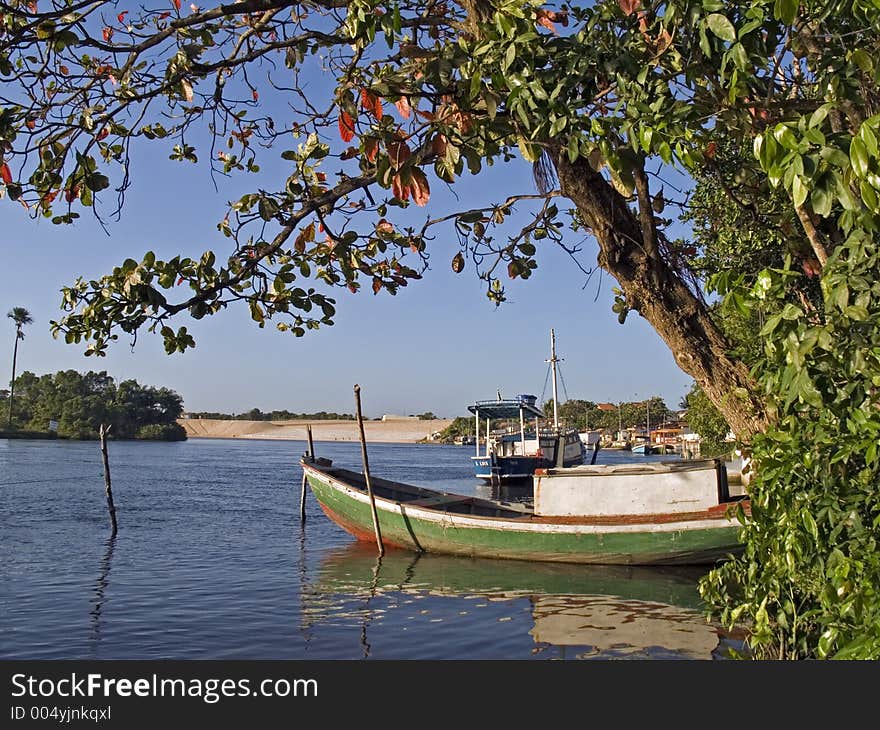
x=256 y=95
x=108 y=34
x=403 y=107
x=629 y=6
x=176 y=4
x=346 y=126
x=377 y=285
x=187 y=89
x=710 y=150
x=6 y=174
x=49 y=197
x=398 y=153
x=371 y=148
x=439 y=145
x=31 y=123
x=398 y=188
x=64 y=70
x=429 y=116
x=371 y=103
x=546 y=22
x=121 y=16
x=383 y=226
x=457 y=262
x=419 y=187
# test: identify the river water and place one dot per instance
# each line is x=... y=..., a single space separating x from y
x=211 y=562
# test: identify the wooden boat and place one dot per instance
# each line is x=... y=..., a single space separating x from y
x=677 y=513
x=646 y=449
x=514 y=454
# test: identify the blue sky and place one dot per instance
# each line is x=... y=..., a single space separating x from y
x=437 y=346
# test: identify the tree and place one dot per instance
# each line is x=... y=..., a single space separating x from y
x=424 y=90
x=607 y=103
x=21 y=317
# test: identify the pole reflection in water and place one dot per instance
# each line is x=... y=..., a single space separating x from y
x=99 y=590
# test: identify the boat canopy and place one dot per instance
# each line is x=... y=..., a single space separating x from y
x=509 y=408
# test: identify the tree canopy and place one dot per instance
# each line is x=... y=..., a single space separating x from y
x=82 y=402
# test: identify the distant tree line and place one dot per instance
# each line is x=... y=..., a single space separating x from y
x=583 y=415
x=80 y=402
x=255 y=414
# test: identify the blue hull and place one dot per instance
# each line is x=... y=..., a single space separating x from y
x=514 y=468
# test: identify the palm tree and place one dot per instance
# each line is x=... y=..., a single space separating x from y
x=21 y=317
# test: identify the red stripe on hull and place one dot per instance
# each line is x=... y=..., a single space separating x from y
x=357 y=531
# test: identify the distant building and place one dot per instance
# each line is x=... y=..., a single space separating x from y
x=392 y=417
x=606 y=407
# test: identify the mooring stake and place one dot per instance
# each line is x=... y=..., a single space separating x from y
x=360 y=419
x=108 y=490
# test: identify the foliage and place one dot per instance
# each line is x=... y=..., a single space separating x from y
x=705 y=419
x=255 y=414
x=583 y=414
x=161 y=432
x=21 y=317
x=460 y=426
x=807 y=582
x=427 y=416
x=81 y=402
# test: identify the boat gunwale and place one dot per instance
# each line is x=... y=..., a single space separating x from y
x=721 y=513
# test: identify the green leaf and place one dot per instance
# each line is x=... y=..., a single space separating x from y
x=858 y=157
x=798 y=191
x=820 y=200
x=785 y=10
x=721 y=26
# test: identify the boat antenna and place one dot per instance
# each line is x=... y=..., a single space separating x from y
x=553 y=360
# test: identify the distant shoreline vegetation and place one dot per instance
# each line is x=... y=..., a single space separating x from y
x=255 y=414
x=74 y=405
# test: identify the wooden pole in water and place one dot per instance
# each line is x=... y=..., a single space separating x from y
x=311 y=455
x=108 y=490
x=360 y=419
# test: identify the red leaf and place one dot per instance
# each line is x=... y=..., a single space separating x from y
x=419 y=187
x=322 y=177
x=377 y=285
x=403 y=107
x=31 y=123
x=542 y=19
x=64 y=70
x=439 y=145
x=383 y=226
x=346 y=126
x=629 y=6
x=710 y=150
x=256 y=95
x=103 y=133
x=121 y=16
x=353 y=288
x=398 y=153
x=371 y=148
x=180 y=281
x=399 y=190
x=176 y=4
x=49 y=197
x=371 y=103
x=6 y=174
x=429 y=116
x=108 y=34
x=71 y=194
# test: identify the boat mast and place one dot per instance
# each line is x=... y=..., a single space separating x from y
x=553 y=360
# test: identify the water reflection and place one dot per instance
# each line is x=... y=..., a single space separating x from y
x=100 y=589
x=571 y=611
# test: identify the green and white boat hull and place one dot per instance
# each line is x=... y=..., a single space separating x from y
x=436 y=522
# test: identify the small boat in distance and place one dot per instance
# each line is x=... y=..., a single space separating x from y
x=673 y=513
x=513 y=454
x=646 y=449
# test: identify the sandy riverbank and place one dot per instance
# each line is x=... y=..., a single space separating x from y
x=403 y=431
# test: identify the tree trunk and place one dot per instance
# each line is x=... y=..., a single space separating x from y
x=12 y=384
x=659 y=294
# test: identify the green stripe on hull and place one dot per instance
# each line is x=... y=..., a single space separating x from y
x=679 y=547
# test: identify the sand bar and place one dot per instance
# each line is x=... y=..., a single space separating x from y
x=402 y=431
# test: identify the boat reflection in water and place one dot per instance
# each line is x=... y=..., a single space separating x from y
x=512 y=609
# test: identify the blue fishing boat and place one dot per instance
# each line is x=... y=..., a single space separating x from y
x=512 y=454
